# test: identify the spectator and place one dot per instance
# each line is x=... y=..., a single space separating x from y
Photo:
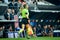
x=13 y=13
x=19 y=4
x=45 y=30
x=50 y=28
x=10 y=29
x=1 y=32
x=13 y=5
x=8 y=15
x=33 y=24
x=39 y=29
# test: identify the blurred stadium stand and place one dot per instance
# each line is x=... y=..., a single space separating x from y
x=3 y=8
x=56 y=2
x=44 y=15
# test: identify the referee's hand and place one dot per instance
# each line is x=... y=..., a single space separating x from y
x=27 y=16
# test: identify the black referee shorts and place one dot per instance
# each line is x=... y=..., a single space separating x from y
x=25 y=21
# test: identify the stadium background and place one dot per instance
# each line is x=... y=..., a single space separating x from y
x=45 y=13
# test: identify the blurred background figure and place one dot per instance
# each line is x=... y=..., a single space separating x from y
x=50 y=28
x=1 y=32
x=33 y=24
x=13 y=13
x=10 y=29
x=45 y=30
x=13 y=5
x=8 y=15
x=39 y=30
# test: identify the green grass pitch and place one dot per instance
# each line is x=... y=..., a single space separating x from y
x=36 y=38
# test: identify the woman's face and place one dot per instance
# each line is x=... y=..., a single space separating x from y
x=45 y=26
x=9 y=10
x=13 y=11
